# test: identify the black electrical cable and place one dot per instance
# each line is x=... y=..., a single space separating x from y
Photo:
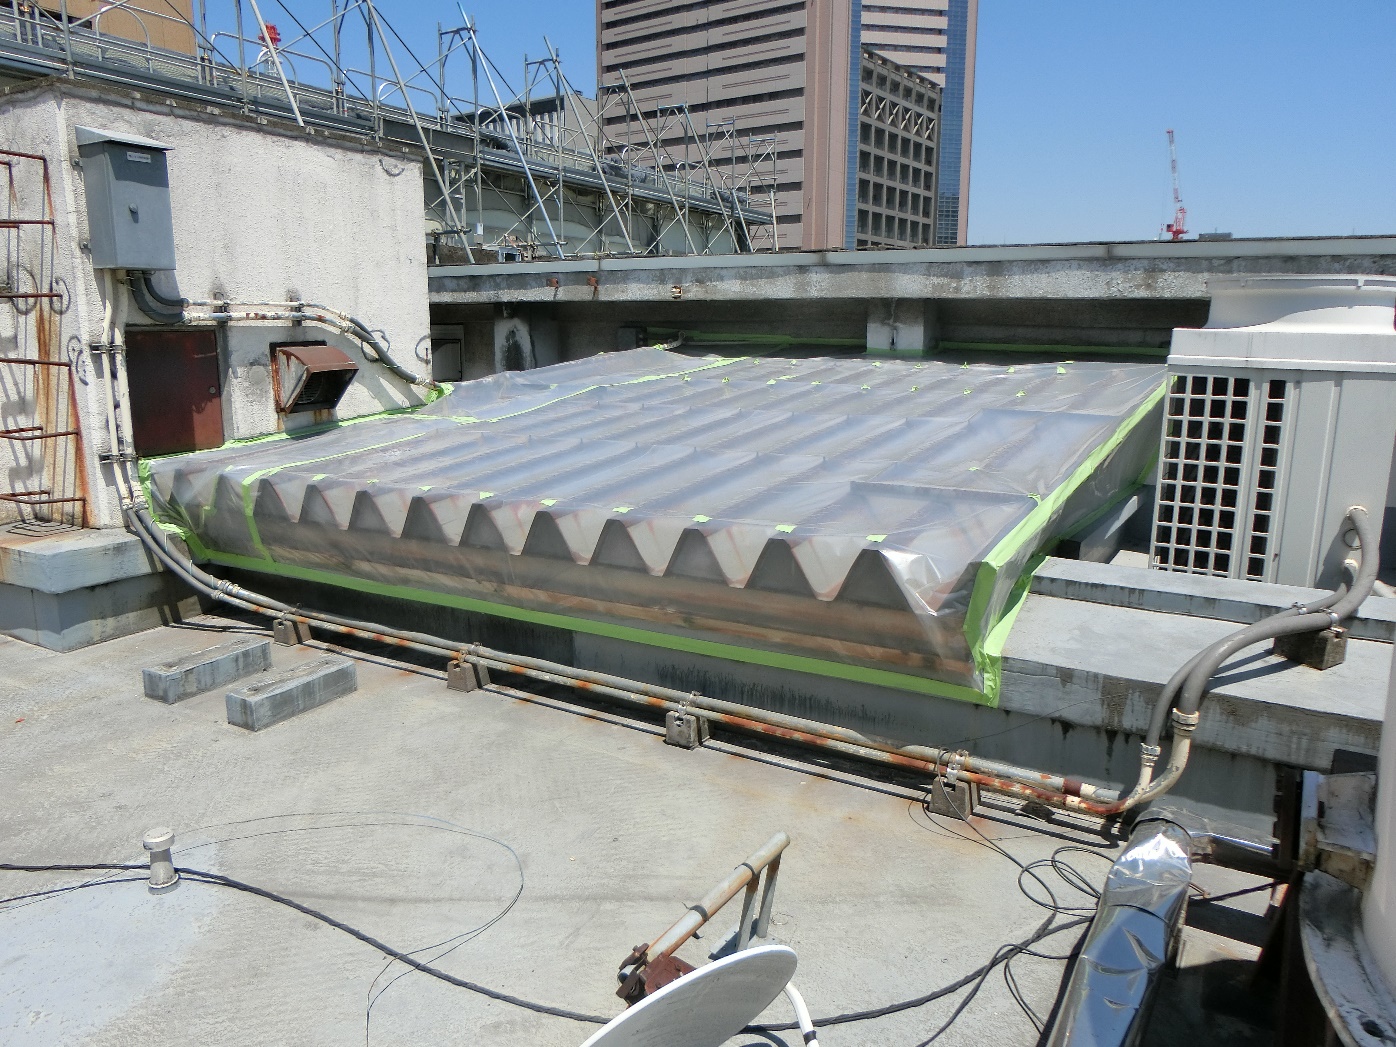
x=219 y=880
x=1005 y=955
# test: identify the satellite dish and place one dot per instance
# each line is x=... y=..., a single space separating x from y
x=706 y=1007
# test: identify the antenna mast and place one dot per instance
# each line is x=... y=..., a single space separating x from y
x=1178 y=228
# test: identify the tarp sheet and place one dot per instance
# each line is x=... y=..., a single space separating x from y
x=865 y=519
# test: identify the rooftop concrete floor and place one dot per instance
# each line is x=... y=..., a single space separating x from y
x=365 y=809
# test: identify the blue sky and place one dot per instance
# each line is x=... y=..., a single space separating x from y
x=1285 y=112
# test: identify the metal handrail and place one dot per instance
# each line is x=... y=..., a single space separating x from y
x=744 y=875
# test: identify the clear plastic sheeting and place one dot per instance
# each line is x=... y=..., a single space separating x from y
x=865 y=519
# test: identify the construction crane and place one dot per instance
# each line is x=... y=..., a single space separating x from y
x=1178 y=228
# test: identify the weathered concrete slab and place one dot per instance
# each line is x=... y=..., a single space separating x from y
x=60 y=563
x=292 y=692
x=1150 y=269
x=69 y=590
x=580 y=799
x=1198 y=596
x=204 y=670
x=83 y=617
x=1100 y=666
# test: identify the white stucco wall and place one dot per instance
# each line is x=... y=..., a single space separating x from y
x=262 y=212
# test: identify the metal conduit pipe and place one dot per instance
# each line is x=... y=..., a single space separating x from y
x=150 y=301
x=222 y=312
x=1198 y=672
x=992 y=775
x=318 y=314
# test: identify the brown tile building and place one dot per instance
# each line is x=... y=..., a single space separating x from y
x=795 y=70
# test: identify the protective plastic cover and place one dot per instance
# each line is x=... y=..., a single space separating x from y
x=863 y=519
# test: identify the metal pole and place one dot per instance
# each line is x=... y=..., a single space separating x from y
x=340 y=104
x=591 y=150
x=242 y=56
x=768 y=897
x=748 y=903
x=421 y=134
x=658 y=164
x=67 y=37
x=276 y=61
x=518 y=149
x=705 y=908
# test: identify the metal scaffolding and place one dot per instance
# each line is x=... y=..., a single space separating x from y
x=520 y=173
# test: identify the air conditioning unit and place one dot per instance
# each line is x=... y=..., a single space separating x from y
x=1281 y=414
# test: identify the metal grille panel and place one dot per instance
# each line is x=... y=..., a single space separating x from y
x=1219 y=475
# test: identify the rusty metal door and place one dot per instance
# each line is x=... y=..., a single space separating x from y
x=176 y=384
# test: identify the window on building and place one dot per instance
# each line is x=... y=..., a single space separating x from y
x=916 y=152
x=920 y=98
x=880 y=139
x=905 y=178
x=906 y=147
x=916 y=203
x=867 y=74
x=862 y=220
x=876 y=224
x=877 y=166
x=915 y=232
x=862 y=190
x=902 y=201
x=901 y=228
x=865 y=133
x=865 y=161
x=916 y=177
x=926 y=207
x=882 y=81
x=877 y=195
x=891 y=142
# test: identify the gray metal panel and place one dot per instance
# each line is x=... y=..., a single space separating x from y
x=130 y=225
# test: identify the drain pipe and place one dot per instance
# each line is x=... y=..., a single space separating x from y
x=994 y=775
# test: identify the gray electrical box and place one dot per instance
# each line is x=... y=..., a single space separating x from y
x=128 y=200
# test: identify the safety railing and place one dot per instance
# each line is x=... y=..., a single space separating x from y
x=650 y=967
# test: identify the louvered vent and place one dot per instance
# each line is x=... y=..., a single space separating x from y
x=1219 y=475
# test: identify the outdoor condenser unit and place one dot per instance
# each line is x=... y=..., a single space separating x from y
x=1281 y=414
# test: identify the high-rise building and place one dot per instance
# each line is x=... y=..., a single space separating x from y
x=855 y=108
x=936 y=38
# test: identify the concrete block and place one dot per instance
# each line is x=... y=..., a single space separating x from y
x=462 y=676
x=684 y=730
x=204 y=670
x=1196 y=596
x=288 y=632
x=952 y=801
x=1321 y=650
x=294 y=691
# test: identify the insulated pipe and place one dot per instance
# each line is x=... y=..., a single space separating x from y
x=221 y=313
x=992 y=775
x=150 y=301
x=1198 y=672
x=1191 y=698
